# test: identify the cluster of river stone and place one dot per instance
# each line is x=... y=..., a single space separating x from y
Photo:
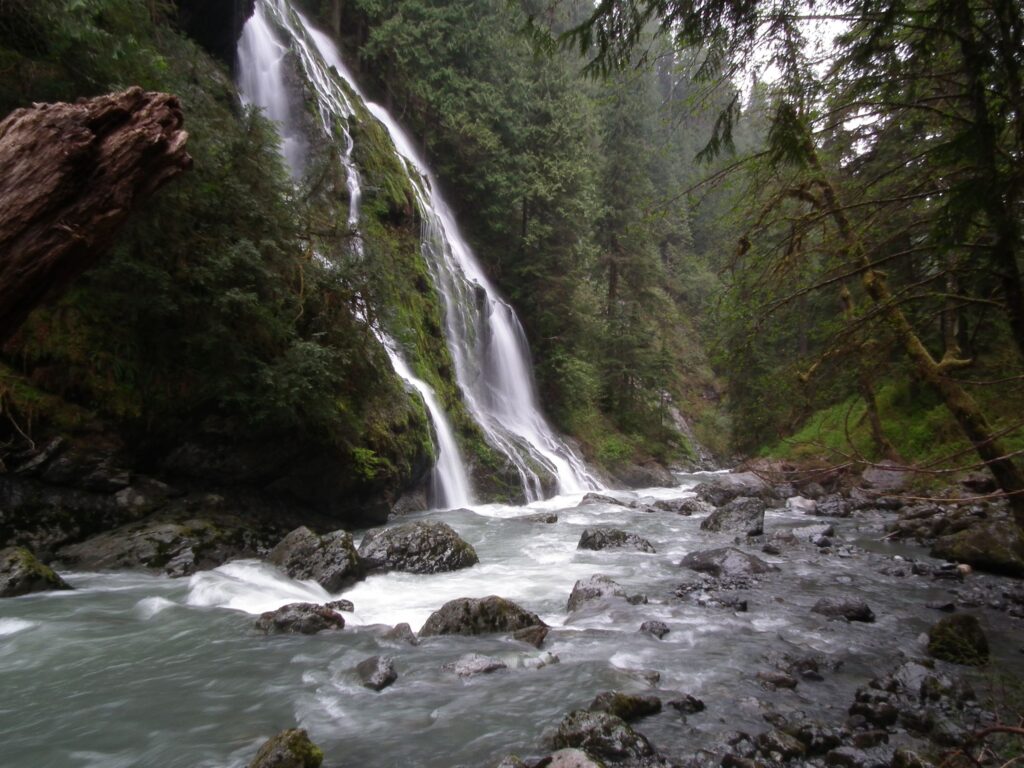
x=914 y=697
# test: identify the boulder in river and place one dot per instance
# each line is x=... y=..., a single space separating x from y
x=656 y=629
x=687 y=704
x=959 y=639
x=995 y=546
x=479 y=616
x=533 y=635
x=801 y=505
x=851 y=609
x=22 y=573
x=299 y=618
x=726 y=562
x=601 y=735
x=628 y=706
x=571 y=758
x=330 y=560
x=425 y=546
x=743 y=515
x=600 y=498
x=473 y=664
x=685 y=507
x=401 y=633
x=376 y=672
x=612 y=538
x=598 y=587
x=288 y=749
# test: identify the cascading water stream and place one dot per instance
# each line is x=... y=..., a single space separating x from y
x=486 y=340
x=262 y=82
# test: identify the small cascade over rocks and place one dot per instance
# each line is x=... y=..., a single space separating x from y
x=488 y=345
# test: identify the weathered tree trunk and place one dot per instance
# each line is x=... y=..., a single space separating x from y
x=963 y=408
x=69 y=176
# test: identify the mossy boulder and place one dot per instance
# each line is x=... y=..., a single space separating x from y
x=288 y=749
x=612 y=538
x=426 y=546
x=995 y=546
x=300 y=619
x=960 y=640
x=22 y=573
x=742 y=515
x=479 y=616
x=330 y=560
x=601 y=735
x=628 y=706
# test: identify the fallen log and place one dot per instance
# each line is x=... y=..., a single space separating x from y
x=70 y=174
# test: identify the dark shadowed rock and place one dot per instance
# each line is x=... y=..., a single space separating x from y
x=743 y=515
x=601 y=735
x=474 y=664
x=341 y=605
x=330 y=560
x=656 y=629
x=774 y=680
x=687 y=705
x=548 y=518
x=777 y=743
x=628 y=706
x=532 y=635
x=426 y=546
x=995 y=546
x=685 y=507
x=376 y=672
x=288 y=749
x=478 y=616
x=847 y=608
x=833 y=505
x=726 y=562
x=299 y=618
x=21 y=573
x=959 y=639
x=612 y=538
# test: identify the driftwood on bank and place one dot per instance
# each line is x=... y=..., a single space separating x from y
x=70 y=174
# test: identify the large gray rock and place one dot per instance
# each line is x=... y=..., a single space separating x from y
x=572 y=758
x=743 y=515
x=288 y=749
x=473 y=664
x=726 y=562
x=598 y=587
x=479 y=616
x=376 y=672
x=175 y=548
x=21 y=573
x=299 y=618
x=601 y=735
x=426 y=546
x=613 y=538
x=330 y=560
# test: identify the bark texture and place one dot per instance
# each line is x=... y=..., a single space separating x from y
x=70 y=174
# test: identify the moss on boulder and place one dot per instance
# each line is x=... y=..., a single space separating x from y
x=22 y=573
x=995 y=546
x=288 y=749
x=960 y=640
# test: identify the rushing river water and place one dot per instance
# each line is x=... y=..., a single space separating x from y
x=138 y=670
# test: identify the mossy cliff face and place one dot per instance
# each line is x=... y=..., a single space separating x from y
x=211 y=348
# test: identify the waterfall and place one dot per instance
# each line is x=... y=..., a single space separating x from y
x=486 y=340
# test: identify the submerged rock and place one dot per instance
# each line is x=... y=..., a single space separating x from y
x=376 y=672
x=299 y=618
x=995 y=546
x=474 y=664
x=478 y=616
x=601 y=735
x=847 y=608
x=612 y=538
x=21 y=573
x=330 y=560
x=656 y=629
x=628 y=706
x=743 y=515
x=687 y=705
x=959 y=639
x=726 y=562
x=426 y=546
x=288 y=749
